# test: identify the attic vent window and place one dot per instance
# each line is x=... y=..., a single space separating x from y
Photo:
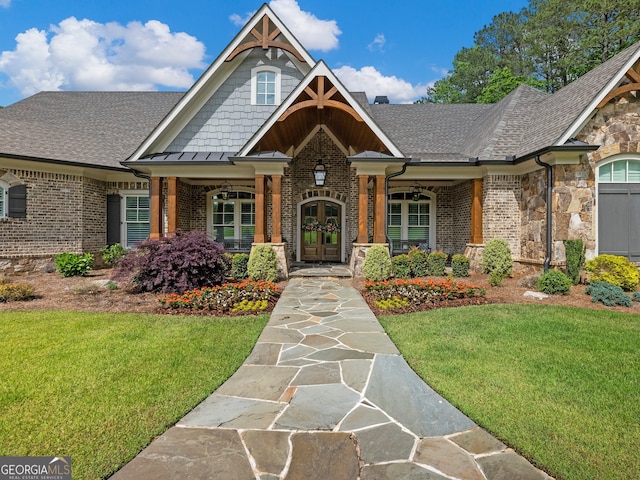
x=265 y=86
x=381 y=99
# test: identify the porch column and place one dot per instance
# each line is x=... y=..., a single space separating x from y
x=155 y=222
x=476 y=211
x=363 y=204
x=378 y=211
x=259 y=235
x=172 y=205
x=276 y=208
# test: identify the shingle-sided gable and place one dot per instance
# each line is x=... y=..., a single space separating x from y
x=264 y=32
x=228 y=119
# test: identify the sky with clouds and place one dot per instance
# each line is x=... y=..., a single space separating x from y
x=165 y=45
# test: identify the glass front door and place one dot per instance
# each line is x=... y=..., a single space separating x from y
x=321 y=232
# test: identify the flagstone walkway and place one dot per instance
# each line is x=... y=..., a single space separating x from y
x=325 y=395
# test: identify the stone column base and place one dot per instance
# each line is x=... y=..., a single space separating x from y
x=474 y=253
x=357 y=256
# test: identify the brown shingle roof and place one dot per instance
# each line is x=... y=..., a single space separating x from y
x=94 y=128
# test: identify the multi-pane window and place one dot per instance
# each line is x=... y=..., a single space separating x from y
x=408 y=221
x=265 y=85
x=266 y=88
x=136 y=219
x=620 y=171
x=233 y=220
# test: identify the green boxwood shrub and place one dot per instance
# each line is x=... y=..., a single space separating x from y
x=112 y=254
x=554 y=282
x=401 y=266
x=574 y=253
x=436 y=263
x=263 y=263
x=377 y=263
x=460 y=265
x=608 y=294
x=497 y=260
x=74 y=264
x=239 y=266
x=419 y=262
x=615 y=270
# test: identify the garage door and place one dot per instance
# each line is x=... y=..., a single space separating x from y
x=619 y=209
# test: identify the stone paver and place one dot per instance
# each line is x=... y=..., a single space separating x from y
x=325 y=394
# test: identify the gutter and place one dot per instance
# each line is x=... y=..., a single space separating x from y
x=549 y=170
x=386 y=198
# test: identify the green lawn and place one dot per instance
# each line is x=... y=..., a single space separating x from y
x=561 y=385
x=100 y=387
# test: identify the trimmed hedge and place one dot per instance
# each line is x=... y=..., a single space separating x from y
x=377 y=263
x=263 y=263
x=460 y=265
x=554 y=282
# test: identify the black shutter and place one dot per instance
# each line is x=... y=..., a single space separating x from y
x=18 y=201
x=113 y=219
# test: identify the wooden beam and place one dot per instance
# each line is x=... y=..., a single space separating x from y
x=259 y=234
x=156 y=208
x=379 y=235
x=476 y=211
x=276 y=208
x=631 y=87
x=172 y=205
x=363 y=207
x=264 y=40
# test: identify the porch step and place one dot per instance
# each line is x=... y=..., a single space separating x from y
x=335 y=270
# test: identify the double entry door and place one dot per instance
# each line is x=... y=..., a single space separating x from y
x=321 y=233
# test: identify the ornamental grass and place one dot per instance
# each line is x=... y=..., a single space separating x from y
x=230 y=298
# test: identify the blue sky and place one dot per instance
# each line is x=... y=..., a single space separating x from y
x=386 y=48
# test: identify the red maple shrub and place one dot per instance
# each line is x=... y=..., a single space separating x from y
x=175 y=264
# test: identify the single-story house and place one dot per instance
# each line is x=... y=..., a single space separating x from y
x=268 y=146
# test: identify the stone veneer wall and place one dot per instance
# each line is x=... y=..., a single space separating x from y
x=501 y=195
x=533 y=211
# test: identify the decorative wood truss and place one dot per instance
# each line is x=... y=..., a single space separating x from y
x=633 y=75
x=319 y=98
x=265 y=39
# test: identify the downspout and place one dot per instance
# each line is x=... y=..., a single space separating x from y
x=549 y=170
x=386 y=199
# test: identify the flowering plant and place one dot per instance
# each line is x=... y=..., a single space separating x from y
x=321 y=227
x=312 y=227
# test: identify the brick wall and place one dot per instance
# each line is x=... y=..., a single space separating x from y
x=501 y=197
x=461 y=233
x=94 y=215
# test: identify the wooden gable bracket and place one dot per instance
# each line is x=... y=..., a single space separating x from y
x=633 y=75
x=264 y=40
x=320 y=100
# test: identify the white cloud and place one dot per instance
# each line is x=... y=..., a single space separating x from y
x=5 y=3
x=378 y=43
x=313 y=33
x=86 y=55
x=373 y=82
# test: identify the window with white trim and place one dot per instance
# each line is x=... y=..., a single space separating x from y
x=409 y=222
x=620 y=171
x=136 y=217
x=4 y=199
x=265 y=86
x=232 y=221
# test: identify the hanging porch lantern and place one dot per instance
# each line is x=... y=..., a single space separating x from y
x=416 y=192
x=319 y=174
